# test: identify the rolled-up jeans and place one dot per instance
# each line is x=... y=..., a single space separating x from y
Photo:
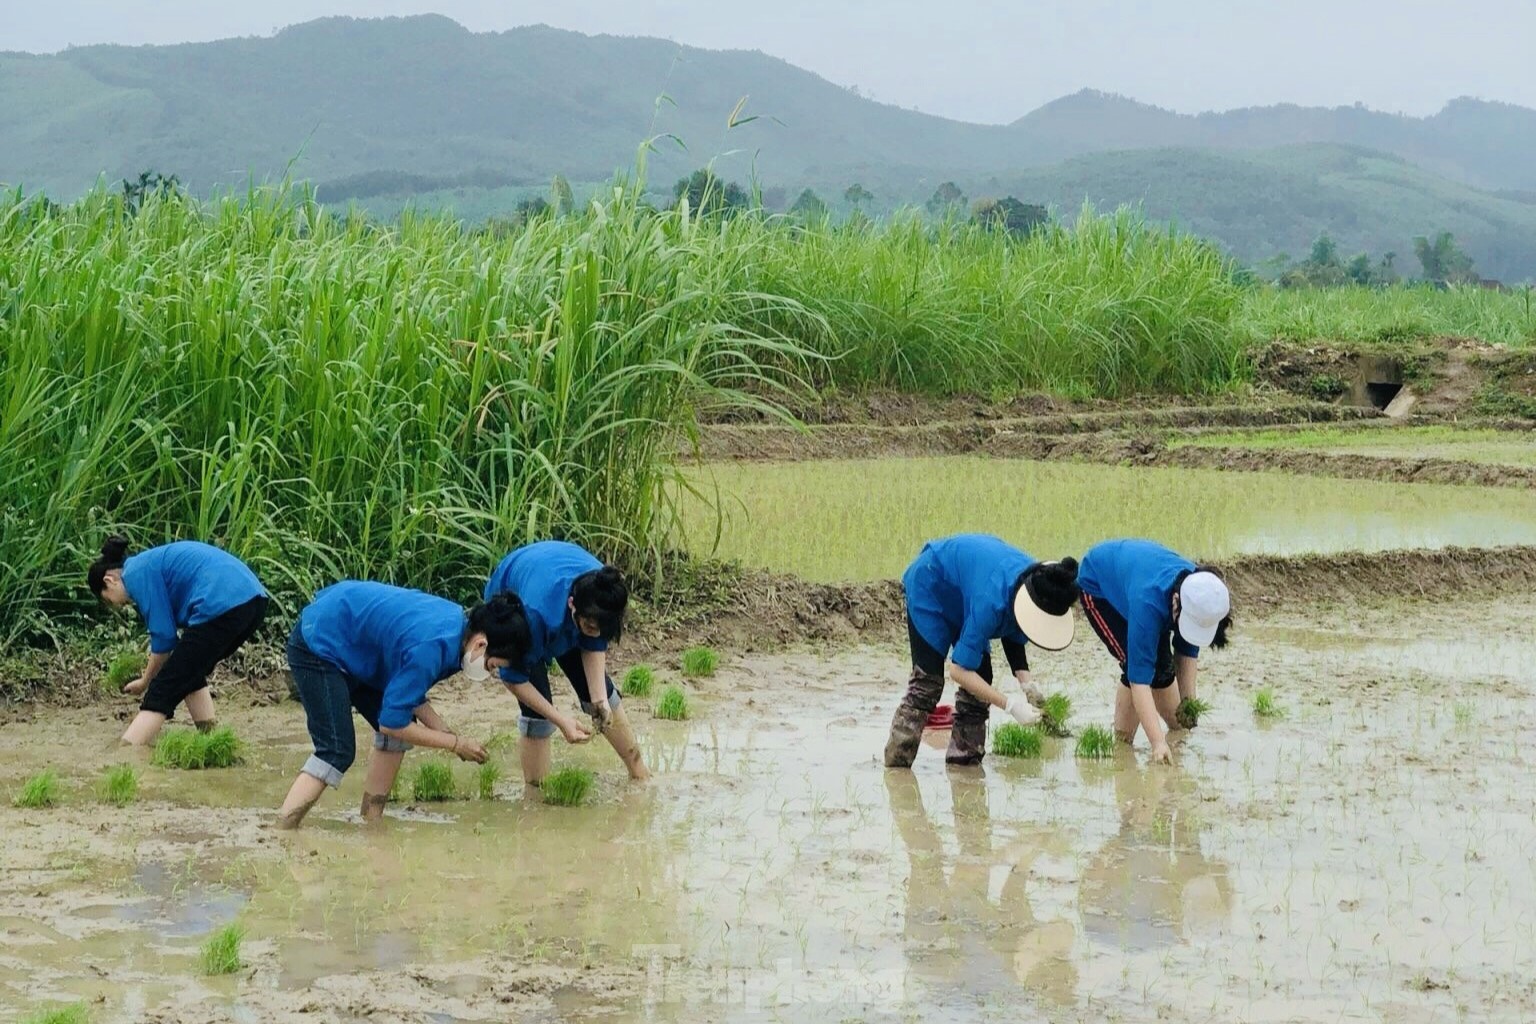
x=535 y=726
x=329 y=697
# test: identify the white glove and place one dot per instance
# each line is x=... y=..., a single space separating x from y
x=1020 y=709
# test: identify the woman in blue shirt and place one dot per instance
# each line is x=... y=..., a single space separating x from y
x=575 y=608
x=378 y=649
x=962 y=593
x=1153 y=609
x=200 y=604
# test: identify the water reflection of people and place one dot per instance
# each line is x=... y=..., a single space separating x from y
x=958 y=936
x=1152 y=886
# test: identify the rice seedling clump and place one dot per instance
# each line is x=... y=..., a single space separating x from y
x=639 y=681
x=672 y=705
x=567 y=787
x=42 y=790
x=700 y=661
x=1265 y=705
x=221 y=953
x=124 y=668
x=75 y=1013
x=433 y=782
x=1096 y=743
x=486 y=779
x=1189 y=711
x=194 y=750
x=120 y=785
x=1015 y=740
x=1054 y=714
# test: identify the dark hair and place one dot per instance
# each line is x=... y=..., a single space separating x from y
x=1051 y=585
x=602 y=595
x=505 y=625
x=1220 y=639
x=113 y=553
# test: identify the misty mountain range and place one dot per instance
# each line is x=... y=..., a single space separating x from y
x=431 y=106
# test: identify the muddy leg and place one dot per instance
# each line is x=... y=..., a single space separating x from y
x=141 y=732
x=1126 y=721
x=923 y=693
x=382 y=769
x=622 y=738
x=302 y=795
x=200 y=709
x=968 y=738
x=533 y=752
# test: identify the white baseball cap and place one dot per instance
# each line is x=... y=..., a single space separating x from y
x=1203 y=602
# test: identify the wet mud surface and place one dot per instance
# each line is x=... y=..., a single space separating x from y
x=1368 y=856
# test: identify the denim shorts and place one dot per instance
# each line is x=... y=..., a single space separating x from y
x=534 y=725
x=329 y=697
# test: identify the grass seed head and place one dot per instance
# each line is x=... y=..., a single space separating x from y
x=1096 y=743
x=433 y=782
x=567 y=787
x=42 y=790
x=672 y=705
x=1015 y=740
x=220 y=954
x=639 y=681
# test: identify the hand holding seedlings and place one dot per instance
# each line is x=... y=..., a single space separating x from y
x=1021 y=710
x=469 y=750
x=572 y=732
x=602 y=716
x=1035 y=695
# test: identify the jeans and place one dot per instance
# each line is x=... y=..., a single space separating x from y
x=329 y=697
x=534 y=725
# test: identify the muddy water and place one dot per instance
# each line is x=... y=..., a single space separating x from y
x=855 y=520
x=1367 y=857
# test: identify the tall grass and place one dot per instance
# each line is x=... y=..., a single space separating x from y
x=1389 y=316
x=327 y=397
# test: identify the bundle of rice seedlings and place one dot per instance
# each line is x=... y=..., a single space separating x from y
x=194 y=750
x=1015 y=740
x=1189 y=711
x=639 y=681
x=700 y=661
x=672 y=705
x=567 y=787
x=120 y=785
x=1096 y=743
x=433 y=782
x=1054 y=714
x=42 y=790
x=221 y=953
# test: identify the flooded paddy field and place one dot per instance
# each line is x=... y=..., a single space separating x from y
x=836 y=520
x=1370 y=856
x=1485 y=446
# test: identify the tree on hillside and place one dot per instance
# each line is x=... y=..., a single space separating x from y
x=707 y=195
x=150 y=183
x=1443 y=260
x=809 y=206
x=560 y=196
x=1018 y=218
x=857 y=194
x=945 y=199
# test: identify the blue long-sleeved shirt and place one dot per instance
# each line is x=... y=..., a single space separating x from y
x=186 y=583
x=1137 y=578
x=960 y=595
x=542 y=574
x=397 y=641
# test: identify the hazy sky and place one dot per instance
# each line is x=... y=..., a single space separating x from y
x=981 y=60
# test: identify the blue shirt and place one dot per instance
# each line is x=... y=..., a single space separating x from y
x=960 y=595
x=1137 y=578
x=397 y=641
x=185 y=584
x=542 y=575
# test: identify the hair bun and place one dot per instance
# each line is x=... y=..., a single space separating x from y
x=506 y=601
x=114 y=548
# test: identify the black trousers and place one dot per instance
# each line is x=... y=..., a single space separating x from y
x=200 y=648
x=931 y=661
x=1112 y=628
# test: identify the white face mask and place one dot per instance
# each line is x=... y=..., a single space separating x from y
x=474 y=668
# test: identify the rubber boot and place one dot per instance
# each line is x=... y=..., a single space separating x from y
x=968 y=737
x=923 y=693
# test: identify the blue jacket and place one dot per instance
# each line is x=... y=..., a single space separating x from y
x=397 y=641
x=542 y=575
x=1137 y=578
x=960 y=595
x=186 y=584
